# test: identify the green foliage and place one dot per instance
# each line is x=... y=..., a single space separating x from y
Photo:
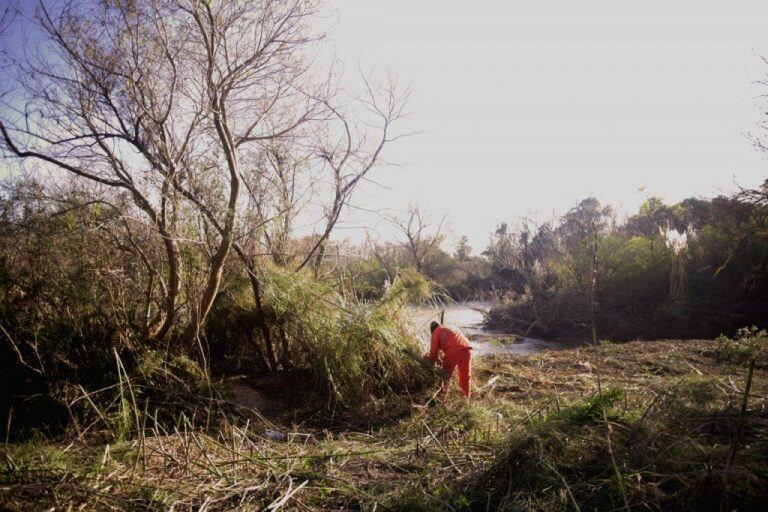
x=694 y=394
x=36 y=455
x=634 y=270
x=588 y=412
x=643 y=289
x=355 y=351
x=409 y=287
x=749 y=343
x=156 y=370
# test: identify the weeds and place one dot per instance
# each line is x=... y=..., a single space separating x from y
x=612 y=451
x=357 y=353
x=749 y=343
x=539 y=439
x=565 y=461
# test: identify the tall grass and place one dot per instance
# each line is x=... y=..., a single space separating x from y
x=603 y=454
x=355 y=351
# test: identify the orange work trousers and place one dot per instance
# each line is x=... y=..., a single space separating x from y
x=463 y=361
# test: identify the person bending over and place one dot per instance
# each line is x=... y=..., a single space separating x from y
x=457 y=352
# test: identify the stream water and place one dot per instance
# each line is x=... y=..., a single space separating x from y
x=468 y=317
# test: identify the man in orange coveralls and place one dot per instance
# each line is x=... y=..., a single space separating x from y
x=456 y=353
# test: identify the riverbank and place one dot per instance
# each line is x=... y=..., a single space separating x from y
x=598 y=427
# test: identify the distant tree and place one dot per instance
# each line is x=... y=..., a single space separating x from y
x=420 y=238
x=654 y=214
x=513 y=255
x=502 y=248
x=579 y=226
x=389 y=255
x=463 y=249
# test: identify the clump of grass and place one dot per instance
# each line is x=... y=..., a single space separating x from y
x=357 y=353
x=588 y=412
x=694 y=393
x=157 y=391
x=749 y=343
x=36 y=454
x=169 y=373
x=603 y=454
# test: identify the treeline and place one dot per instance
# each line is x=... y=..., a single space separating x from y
x=692 y=269
x=695 y=269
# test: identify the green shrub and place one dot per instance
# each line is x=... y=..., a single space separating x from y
x=749 y=343
x=355 y=351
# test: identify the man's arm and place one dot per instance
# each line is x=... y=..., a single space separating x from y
x=434 y=346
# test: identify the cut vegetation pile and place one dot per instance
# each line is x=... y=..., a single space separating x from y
x=638 y=426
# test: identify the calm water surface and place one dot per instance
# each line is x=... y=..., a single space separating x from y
x=468 y=317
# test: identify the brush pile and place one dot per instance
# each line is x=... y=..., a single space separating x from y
x=636 y=426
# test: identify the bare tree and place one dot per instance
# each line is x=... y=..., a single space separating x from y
x=388 y=255
x=83 y=104
x=162 y=100
x=421 y=238
x=251 y=61
x=349 y=155
x=7 y=15
x=279 y=187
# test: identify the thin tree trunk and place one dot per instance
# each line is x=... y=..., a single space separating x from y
x=593 y=287
x=219 y=111
x=263 y=364
x=174 y=285
x=261 y=320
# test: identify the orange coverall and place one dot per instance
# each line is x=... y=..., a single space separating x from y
x=456 y=353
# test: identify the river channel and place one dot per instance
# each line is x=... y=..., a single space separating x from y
x=468 y=317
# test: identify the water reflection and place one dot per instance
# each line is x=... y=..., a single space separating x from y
x=468 y=317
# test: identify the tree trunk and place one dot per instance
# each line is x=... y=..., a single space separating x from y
x=174 y=284
x=261 y=320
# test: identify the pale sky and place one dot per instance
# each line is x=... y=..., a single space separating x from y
x=528 y=107
x=525 y=108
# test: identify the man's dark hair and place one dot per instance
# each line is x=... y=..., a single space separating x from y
x=433 y=326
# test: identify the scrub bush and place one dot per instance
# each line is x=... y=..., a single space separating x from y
x=355 y=351
x=749 y=343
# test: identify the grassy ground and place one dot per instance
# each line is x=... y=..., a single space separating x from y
x=643 y=425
